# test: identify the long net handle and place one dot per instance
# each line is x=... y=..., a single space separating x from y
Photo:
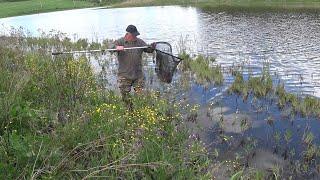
x=111 y=50
x=97 y=50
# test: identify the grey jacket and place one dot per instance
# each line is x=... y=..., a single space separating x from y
x=130 y=61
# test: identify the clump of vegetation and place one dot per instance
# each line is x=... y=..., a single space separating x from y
x=312 y=151
x=58 y=121
x=239 y=86
x=262 y=86
x=259 y=86
x=307 y=106
x=310 y=106
x=285 y=98
x=203 y=69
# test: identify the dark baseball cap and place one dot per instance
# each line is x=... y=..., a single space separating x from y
x=133 y=30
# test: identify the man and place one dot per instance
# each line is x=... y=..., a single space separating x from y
x=130 y=73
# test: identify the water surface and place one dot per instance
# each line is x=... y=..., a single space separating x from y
x=288 y=41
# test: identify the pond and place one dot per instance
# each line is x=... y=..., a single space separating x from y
x=288 y=41
x=256 y=129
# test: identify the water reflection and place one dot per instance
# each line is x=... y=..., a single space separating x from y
x=154 y=23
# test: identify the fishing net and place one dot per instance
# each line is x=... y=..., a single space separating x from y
x=166 y=65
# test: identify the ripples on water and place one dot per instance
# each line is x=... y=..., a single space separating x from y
x=288 y=41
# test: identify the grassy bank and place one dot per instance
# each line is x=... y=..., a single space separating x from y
x=57 y=120
x=15 y=8
x=257 y=5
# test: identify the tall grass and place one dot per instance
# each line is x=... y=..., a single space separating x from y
x=57 y=121
x=203 y=68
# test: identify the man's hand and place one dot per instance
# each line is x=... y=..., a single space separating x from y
x=120 y=48
x=153 y=45
x=150 y=48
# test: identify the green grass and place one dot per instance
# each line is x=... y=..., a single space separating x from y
x=15 y=8
x=251 y=5
x=38 y=6
x=260 y=5
x=58 y=121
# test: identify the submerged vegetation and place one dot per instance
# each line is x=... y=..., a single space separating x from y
x=262 y=86
x=305 y=106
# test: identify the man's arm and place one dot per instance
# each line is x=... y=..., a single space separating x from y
x=150 y=48
x=117 y=44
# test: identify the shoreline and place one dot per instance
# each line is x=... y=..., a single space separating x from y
x=18 y=8
x=63 y=103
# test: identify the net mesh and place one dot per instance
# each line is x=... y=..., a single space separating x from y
x=166 y=65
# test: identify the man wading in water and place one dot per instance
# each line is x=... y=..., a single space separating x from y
x=130 y=72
